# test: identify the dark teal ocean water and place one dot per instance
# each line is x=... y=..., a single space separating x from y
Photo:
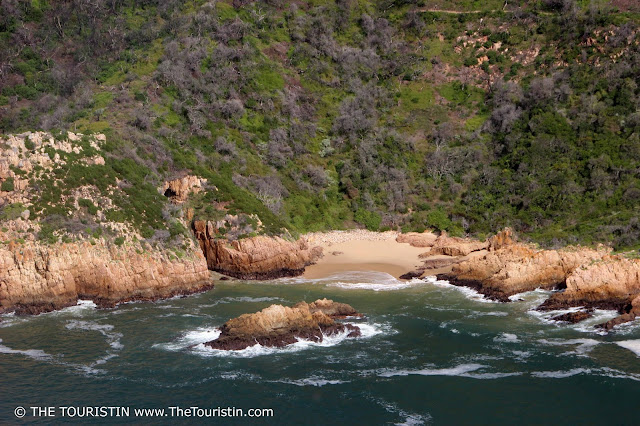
x=430 y=354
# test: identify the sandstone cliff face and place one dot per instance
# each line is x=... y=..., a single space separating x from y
x=178 y=190
x=36 y=278
x=278 y=325
x=511 y=268
x=254 y=258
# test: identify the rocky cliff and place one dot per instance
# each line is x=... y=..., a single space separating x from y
x=278 y=325
x=254 y=258
x=37 y=278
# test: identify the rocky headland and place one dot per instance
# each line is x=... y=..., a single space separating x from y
x=278 y=326
x=500 y=267
x=37 y=278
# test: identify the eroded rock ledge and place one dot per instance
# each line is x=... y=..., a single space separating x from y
x=37 y=278
x=278 y=326
x=256 y=258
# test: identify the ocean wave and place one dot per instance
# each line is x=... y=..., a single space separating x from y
x=81 y=307
x=583 y=346
x=462 y=370
x=358 y=280
x=560 y=374
x=311 y=381
x=406 y=418
x=190 y=338
x=113 y=338
x=507 y=338
x=632 y=345
x=36 y=354
x=459 y=370
x=587 y=326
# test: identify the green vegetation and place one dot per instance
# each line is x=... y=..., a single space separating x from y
x=333 y=114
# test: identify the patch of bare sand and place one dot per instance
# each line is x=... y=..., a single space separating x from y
x=361 y=250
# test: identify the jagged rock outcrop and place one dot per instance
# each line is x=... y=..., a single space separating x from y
x=415 y=239
x=439 y=262
x=628 y=313
x=278 y=326
x=611 y=283
x=255 y=258
x=178 y=190
x=36 y=278
x=454 y=246
x=511 y=268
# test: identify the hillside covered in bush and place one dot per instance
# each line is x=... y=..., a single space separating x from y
x=458 y=115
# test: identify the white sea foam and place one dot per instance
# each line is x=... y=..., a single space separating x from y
x=459 y=370
x=560 y=374
x=462 y=370
x=112 y=338
x=190 y=338
x=469 y=293
x=632 y=345
x=31 y=353
x=358 y=280
x=617 y=374
x=312 y=381
x=81 y=307
x=507 y=338
x=586 y=326
x=407 y=419
x=583 y=346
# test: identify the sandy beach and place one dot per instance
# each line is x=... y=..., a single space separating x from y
x=361 y=250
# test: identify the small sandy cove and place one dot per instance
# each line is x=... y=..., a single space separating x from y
x=361 y=250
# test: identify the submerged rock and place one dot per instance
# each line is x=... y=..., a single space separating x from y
x=574 y=317
x=278 y=326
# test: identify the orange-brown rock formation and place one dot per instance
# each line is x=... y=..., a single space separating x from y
x=37 y=278
x=453 y=246
x=425 y=239
x=612 y=282
x=254 y=258
x=510 y=268
x=278 y=325
x=178 y=190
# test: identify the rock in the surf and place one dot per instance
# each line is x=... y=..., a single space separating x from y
x=278 y=326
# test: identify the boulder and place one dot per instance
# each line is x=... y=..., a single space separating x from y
x=415 y=239
x=453 y=246
x=278 y=326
